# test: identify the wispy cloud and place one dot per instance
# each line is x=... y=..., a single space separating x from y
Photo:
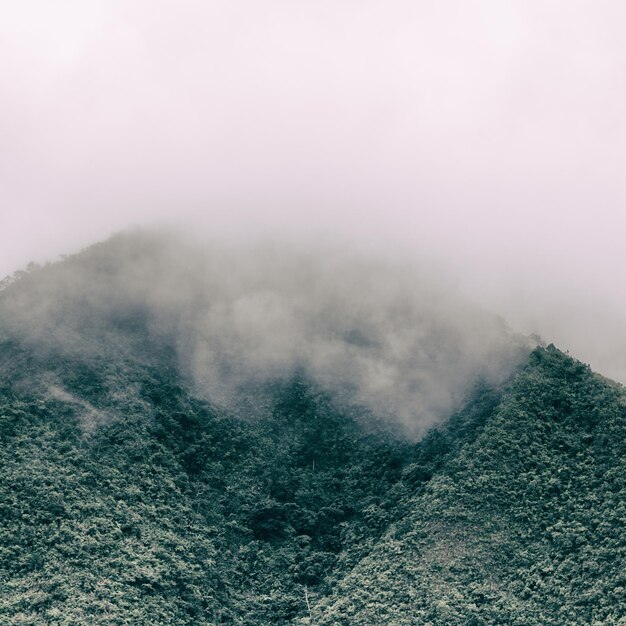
x=386 y=337
x=490 y=134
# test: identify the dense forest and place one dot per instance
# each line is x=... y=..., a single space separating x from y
x=129 y=497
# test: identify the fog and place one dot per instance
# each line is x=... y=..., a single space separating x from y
x=382 y=337
x=486 y=136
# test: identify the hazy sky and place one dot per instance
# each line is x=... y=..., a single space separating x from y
x=489 y=133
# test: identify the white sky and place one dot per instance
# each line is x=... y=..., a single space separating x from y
x=489 y=133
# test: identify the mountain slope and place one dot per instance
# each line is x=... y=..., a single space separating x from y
x=131 y=493
x=525 y=525
x=178 y=513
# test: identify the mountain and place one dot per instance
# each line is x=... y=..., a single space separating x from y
x=194 y=437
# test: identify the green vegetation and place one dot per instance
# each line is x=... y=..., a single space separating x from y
x=170 y=512
x=523 y=525
x=126 y=498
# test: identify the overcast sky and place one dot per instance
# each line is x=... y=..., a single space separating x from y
x=487 y=133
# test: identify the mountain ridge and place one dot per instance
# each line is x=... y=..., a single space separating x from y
x=128 y=497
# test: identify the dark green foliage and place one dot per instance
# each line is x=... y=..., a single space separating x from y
x=165 y=510
x=525 y=524
x=126 y=499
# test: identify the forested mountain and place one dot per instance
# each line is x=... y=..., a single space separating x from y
x=146 y=481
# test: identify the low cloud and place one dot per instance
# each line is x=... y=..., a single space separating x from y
x=376 y=333
x=89 y=416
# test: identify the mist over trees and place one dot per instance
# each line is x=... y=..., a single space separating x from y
x=374 y=332
x=193 y=435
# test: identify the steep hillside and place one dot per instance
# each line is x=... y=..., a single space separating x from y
x=171 y=512
x=132 y=493
x=525 y=524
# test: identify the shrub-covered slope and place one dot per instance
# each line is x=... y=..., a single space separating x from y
x=167 y=511
x=170 y=512
x=127 y=496
x=523 y=525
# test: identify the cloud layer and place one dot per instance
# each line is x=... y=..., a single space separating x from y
x=387 y=338
x=487 y=134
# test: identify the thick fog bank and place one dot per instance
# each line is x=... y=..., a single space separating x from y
x=380 y=334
